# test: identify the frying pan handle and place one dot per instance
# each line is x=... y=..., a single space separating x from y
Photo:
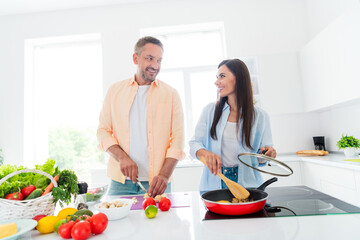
x=268 y=182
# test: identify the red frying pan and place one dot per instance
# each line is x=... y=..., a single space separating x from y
x=258 y=199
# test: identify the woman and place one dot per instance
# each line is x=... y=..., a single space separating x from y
x=230 y=126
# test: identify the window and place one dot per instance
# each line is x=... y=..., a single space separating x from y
x=63 y=94
x=191 y=56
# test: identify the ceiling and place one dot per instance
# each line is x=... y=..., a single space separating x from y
x=9 y=7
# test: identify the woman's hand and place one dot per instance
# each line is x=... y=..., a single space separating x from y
x=213 y=161
x=269 y=151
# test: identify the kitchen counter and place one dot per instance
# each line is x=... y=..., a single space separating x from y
x=187 y=223
x=333 y=159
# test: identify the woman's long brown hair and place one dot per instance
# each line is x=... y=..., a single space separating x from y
x=244 y=100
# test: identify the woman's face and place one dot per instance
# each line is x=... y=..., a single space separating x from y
x=225 y=82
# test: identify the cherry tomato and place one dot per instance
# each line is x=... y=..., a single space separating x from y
x=148 y=201
x=14 y=196
x=65 y=229
x=27 y=190
x=98 y=223
x=164 y=204
x=81 y=231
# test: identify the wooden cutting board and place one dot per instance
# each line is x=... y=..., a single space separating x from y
x=312 y=153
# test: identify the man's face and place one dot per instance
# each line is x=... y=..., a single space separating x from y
x=149 y=62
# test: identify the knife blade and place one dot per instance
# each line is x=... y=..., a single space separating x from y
x=141 y=186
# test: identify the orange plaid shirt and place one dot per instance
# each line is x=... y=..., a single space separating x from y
x=165 y=124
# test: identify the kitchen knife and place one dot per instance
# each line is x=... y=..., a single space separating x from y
x=141 y=186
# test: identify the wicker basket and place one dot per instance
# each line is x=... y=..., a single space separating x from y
x=12 y=209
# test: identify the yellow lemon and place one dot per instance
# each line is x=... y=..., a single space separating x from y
x=47 y=224
x=66 y=211
x=223 y=201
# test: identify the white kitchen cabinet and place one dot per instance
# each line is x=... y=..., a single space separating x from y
x=186 y=179
x=329 y=63
x=342 y=183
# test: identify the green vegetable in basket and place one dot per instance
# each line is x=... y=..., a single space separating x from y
x=35 y=194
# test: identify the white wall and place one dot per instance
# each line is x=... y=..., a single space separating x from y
x=341 y=119
x=320 y=13
x=260 y=27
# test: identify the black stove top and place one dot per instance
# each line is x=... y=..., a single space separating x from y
x=294 y=201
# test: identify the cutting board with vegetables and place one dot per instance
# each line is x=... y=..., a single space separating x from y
x=312 y=153
x=178 y=200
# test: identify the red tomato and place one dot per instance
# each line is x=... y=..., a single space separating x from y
x=85 y=218
x=27 y=190
x=38 y=217
x=98 y=223
x=81 y=231
x=14 y=196
x=65 y=229
x=147 y=202
x=164 y=204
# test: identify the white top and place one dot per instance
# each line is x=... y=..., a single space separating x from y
x=138 y=133
x=230 y=146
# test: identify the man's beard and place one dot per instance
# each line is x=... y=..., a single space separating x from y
x=147 y=78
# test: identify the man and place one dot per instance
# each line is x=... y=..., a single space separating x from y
x=142 y=126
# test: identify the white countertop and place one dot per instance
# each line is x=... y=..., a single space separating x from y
x=187 y=223
x=333 y=159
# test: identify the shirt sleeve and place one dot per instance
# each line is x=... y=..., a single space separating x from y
x=267 y=136
x=198 y=141
x=176 y=149
x=105 y=129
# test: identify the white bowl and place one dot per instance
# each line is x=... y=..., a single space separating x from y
x=117 y=212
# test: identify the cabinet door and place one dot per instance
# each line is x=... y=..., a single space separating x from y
x=334 y=181
x=186 y=179
x=329 y=63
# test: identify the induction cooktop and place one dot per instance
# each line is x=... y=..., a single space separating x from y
x=293 y=201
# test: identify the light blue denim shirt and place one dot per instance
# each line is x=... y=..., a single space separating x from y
x=260 y=137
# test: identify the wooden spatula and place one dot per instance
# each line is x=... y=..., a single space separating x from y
x=236 y=189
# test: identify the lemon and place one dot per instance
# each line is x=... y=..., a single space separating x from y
x=47 y=224
x=66 y=211
x=223 y=201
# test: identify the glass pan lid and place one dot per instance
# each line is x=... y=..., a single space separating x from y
x=265 y=164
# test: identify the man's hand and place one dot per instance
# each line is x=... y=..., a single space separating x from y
x=158 y=185
x=269 y=151
x=213 y=161
x=129 y=168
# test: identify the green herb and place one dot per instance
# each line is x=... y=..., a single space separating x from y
x=348 y=142
x=67 y=185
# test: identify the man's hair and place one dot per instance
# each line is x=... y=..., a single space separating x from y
x=144 y=40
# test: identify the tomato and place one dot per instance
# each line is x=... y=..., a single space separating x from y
x=27 y=190
x=65 y=229
x=151 y=211
x=98 y=223
x=14 y=196
x=38 y=217
x=148 y=201
x=85 y=218
x=58 y=224
x=164 y=204
x=81 y=231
